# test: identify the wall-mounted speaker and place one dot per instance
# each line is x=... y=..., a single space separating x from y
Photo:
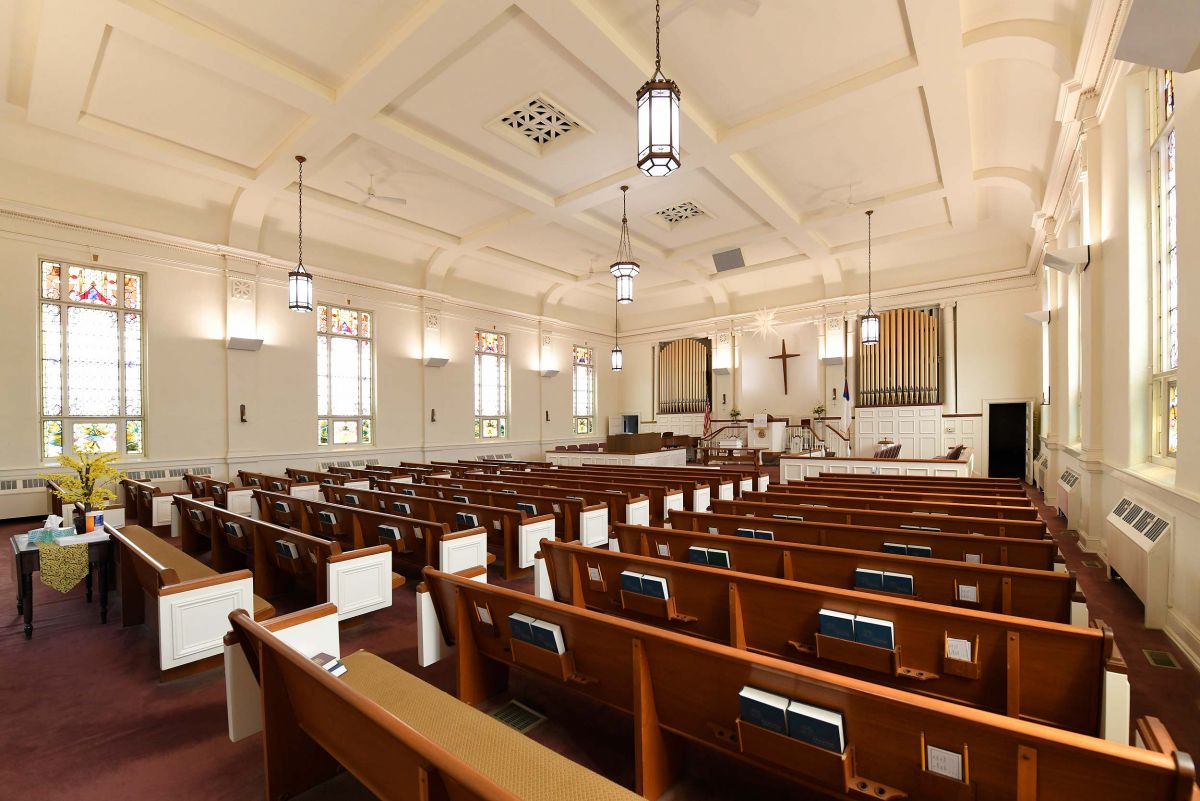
x=728 y=260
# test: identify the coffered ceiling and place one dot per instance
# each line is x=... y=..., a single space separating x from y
x=507 y=126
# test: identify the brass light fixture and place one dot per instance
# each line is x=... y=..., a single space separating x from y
x=658 y=116
x=868 y=324
x=300 y=282
x=624 y=268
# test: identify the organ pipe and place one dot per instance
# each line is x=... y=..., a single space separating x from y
x=904 y=368
x=683 y=376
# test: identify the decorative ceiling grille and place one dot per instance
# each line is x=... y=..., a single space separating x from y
x=680 y=212
x=538 y=120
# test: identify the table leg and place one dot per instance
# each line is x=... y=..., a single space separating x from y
x=104 y=589
x=20 y=585
x=27 y=580
x=87 y=584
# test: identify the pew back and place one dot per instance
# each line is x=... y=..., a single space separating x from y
x=923 y=507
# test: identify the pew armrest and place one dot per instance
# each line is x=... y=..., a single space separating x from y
x=360 y=581
x=310 y=631
x=241 y=501
x=530 y=534
x=593 y=525
x=161 y=508
x=637 y=511
x=463 y=550
x=193 y=616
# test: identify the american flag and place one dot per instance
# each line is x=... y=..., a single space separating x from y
x=707 y=419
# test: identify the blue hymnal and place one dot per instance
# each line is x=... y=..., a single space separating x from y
x=836 y=624
x=920 y=550
x=698 y=555
x=873 y=631
x=521 y=626
x=287 y=549
x=654 y=586
x=631 y=582
x=895 y=547
x=401 y=508
x=745 y=532
x=816 y=726
x=461 y=499
x=408 y=492
x=868 y=579
x=196 y=515
x=389 y=533
x=718 y=558
x=527 y=508
x=901 y=583
x=763 y=535
x=327 y=518
x=277 y=486
x=548 y=635
x=466 y=520
x=282 y=507
x=234 y=530
x=763 y=709
x=351 y=500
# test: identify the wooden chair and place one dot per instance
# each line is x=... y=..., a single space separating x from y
x=398 y=735
x=680 y=687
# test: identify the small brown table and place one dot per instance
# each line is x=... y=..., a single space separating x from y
x=27 y=560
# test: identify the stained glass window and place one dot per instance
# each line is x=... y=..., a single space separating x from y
x=1165 y=220
x=91 y=359
x=491 y=385
x=583 y=389
x=345 y=376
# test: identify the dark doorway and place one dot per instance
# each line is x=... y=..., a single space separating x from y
x=1006 y=440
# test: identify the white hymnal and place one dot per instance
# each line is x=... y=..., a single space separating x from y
x=974 y=558
x=958 y=649
x=968 y=592
x=944 y=763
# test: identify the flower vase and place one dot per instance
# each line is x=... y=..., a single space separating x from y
x=81 y=519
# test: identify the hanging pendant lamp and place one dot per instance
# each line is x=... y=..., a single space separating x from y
x=300 y=282
x=868 y=324
x=618 y=358
x=658 y=116
x=624 y=268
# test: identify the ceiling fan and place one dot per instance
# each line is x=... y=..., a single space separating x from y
x=369 y=193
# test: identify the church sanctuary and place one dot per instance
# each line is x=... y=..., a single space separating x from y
x=600 y=400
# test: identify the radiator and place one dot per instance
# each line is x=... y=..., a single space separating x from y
x=1068 y=500
x=1139 y=548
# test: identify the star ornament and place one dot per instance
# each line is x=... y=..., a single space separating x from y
x=764 y=324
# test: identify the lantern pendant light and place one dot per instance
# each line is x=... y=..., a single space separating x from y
x=868 y=324
x=624 y=268
x=658 y=116
x=618 y=358
x=300 y=282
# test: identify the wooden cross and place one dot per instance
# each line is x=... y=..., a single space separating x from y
x=783 y=357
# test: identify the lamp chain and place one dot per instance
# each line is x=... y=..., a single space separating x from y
x=869 y=213
x=300 y=225
x=657 y=30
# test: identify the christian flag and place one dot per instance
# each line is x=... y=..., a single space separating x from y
x=846 y=405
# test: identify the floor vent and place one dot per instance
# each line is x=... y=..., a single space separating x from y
x=1092 y=563
x=517 y=716
x=1162 y=659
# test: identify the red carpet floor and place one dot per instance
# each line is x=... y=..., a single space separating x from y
x=85 y=716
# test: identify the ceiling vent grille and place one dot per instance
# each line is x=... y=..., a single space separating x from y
x=1138 y=549
x=680 y=212
x=536 y=124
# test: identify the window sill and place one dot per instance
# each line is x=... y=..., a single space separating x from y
x=1156 y=471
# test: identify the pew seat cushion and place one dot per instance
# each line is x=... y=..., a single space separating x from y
x=520 y=765
x=186 y=567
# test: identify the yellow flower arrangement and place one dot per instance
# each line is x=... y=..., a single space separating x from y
x=90 y=481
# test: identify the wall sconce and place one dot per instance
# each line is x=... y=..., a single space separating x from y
x=433 y=415
x=547 y=415
x=436 y=361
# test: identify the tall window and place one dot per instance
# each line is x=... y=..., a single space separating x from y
x=1165 y=389
x=345 y=397
x=91 y=349
x=491 y=385
x=583 y=389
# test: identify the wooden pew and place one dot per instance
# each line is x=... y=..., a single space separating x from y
x=574 y=520
x=1012 y=655
x=306 y=476
x=697 y=491
x=412 y=542
x=401 y=737
x=146 y=505
x=745 y=477
x=1022 y=529
x=1035 y=594
x=637 y=669
x=705 y=484
x=815 y=490
x=301 y=489
x=663 y=497
x=941 y=488
x=948 y=481
x=622 y=506
x=513 y=533
x=224 y=494
x=369 y=474
x=1033 y=554
x=939 y=508
x=183 y=601
x=357 y=581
